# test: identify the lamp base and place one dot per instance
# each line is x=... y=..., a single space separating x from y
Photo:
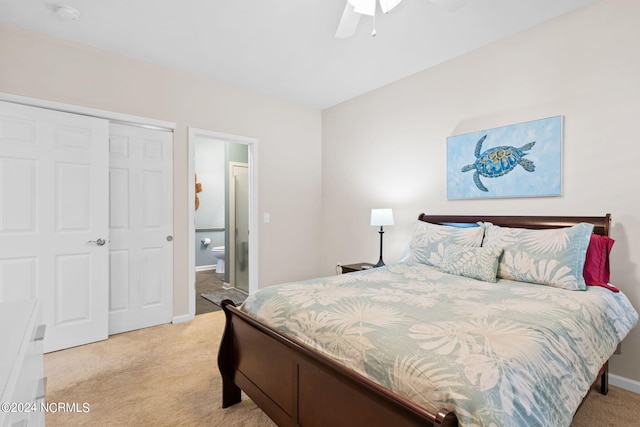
x=380 y=262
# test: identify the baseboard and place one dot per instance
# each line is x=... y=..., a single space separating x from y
x=205 y=267
x=182 y=318
x=625 y=383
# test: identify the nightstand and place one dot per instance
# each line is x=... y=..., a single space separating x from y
x=350 y=268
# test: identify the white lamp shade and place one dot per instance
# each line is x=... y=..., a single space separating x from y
x=381 y=217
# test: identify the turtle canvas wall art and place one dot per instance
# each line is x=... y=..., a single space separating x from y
x=520 y=160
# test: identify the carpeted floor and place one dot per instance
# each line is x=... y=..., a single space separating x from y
x=167 y=376
x=161 y=376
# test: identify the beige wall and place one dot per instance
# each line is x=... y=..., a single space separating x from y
x=387 y=148
x=38 y=66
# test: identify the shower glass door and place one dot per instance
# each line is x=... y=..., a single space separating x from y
x=240 y=212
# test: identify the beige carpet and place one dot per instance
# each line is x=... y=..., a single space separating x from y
x=168 y=376
x=161 y=376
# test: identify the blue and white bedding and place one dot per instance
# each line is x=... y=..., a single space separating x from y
x=497 y=354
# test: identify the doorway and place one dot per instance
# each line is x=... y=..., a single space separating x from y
x=227 y=222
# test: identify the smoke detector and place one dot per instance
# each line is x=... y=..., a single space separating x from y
x=67 y=12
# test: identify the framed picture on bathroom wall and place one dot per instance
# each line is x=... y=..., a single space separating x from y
x=519 y=160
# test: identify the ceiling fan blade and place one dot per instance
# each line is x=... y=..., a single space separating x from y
x=365 y=7
x=387 y=5
x=450 y=5
x=348 y=22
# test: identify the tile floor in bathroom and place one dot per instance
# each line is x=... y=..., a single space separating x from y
x=206 y=281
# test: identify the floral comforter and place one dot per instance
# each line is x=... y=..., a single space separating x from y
x=497 y=354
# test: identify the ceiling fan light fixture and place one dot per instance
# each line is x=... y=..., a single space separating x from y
x=67 y=12
x=355 y=8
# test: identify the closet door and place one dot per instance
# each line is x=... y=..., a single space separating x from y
x=140 y=228
x=54 y=219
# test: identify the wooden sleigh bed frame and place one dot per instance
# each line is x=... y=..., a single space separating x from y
x=296 y=386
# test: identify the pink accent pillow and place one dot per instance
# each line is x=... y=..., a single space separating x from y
x=596 y=265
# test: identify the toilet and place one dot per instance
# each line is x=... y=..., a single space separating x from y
x=218 y=252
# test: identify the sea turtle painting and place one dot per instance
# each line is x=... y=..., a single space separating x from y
x=498 y=161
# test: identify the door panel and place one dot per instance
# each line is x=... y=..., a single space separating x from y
x=152 y=194
x=73 y=190
x=239 y=223
x=73 y=299
x=119 y=280
x=152 y=280
x=119 y=200
x=18 y=180
x=141 y=218
x=53 y=179
x=242 y=227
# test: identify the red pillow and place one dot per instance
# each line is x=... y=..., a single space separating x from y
x=596 y=265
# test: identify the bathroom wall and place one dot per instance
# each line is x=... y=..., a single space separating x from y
x=210 y=161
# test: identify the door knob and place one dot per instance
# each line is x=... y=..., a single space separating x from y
x=99 y=242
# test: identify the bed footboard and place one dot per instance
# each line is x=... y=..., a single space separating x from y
x=297 y=386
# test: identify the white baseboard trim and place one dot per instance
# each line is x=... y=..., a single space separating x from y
x=182 y=318
x=625 y=383
x=205 y=267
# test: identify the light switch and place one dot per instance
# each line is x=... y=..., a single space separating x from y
x=267 y=218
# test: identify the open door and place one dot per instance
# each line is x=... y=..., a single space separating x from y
x=239 y=225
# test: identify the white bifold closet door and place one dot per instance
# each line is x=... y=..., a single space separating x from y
x=85 y=222
x=54 y=219
x=140 y=227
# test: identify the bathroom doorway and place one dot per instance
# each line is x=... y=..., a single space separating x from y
x=222 y=249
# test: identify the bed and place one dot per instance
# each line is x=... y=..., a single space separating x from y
x=311 y=368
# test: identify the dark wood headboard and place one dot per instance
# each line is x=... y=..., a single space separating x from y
x=600 y=223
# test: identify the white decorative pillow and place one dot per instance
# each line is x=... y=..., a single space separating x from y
x=477 y=263
x=553 y=257
x=429 y=241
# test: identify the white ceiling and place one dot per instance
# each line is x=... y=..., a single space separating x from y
x=286 y=48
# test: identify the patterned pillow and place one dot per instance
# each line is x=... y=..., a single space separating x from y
x=477 y=263
x=553 y=257
x=429 y=240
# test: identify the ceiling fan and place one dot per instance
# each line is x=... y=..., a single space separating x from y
x=356 y=8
